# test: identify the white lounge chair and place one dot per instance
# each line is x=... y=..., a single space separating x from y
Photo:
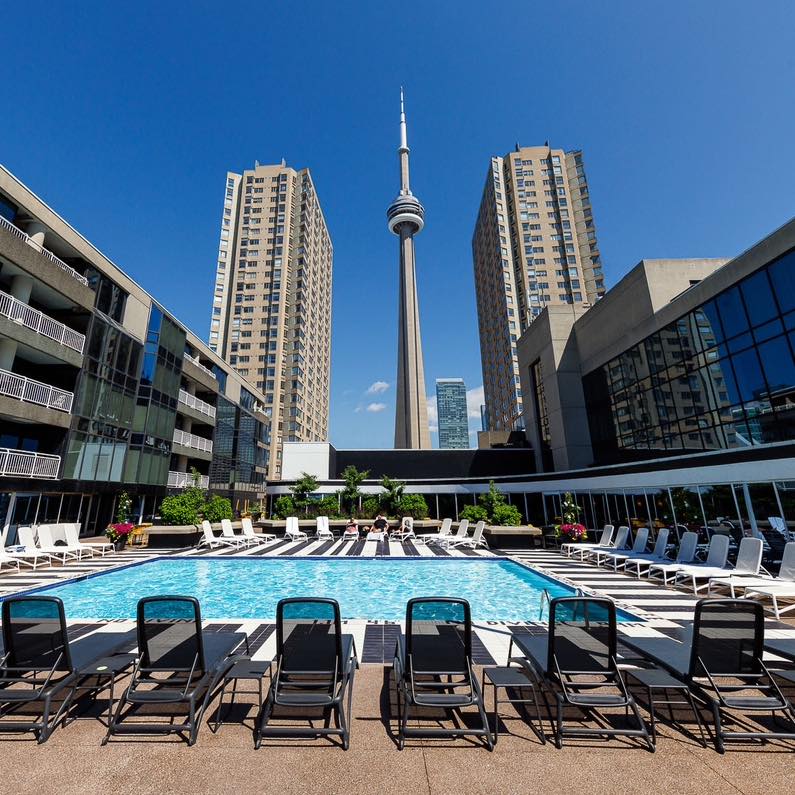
x=248 y=532
x=444 y=540
x=292 y=530
x=638 y=549
x=47 y=544
x=775 y=592
x=8 y=560
x=734 y=580
x=685 y=556
x=31 y=554
x=322 y=529
x=576 y=547
x=406 y=531
x=72 y=533
x=716 y=563
x=633 y=563
x=474 y=542
x=444 y=530
x=598 y=554
x=228 y=532
x=212 y=541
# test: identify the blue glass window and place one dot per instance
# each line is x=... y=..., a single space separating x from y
x=732 y=312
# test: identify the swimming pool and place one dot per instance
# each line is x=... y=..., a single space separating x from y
x=374 y=588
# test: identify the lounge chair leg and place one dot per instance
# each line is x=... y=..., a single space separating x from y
x=559 y=723
x=719 y=745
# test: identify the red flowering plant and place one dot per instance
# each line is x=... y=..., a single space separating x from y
x=118 y=530
x=569 y=528
x=573 y=532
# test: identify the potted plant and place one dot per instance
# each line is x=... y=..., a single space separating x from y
x=569 y=529
x=118 y=532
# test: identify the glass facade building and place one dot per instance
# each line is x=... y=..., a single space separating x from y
x=451 y=408
x=720 y=377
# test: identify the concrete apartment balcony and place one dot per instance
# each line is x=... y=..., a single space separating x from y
x=28 y=326
x=25 y=400
x=196 y=371
x=40 y=263
x=22 y=464
x=192 y=446
x=181 y=480
x=198 y=409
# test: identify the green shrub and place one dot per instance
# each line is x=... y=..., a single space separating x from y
x=474 y=513
x=302 y=488
x=217 y=508
x=413 y=505
x=350 y=492
x=284 y=507
x=370 y=507
x=182 y=508
x=506 y=515
x=328 y=506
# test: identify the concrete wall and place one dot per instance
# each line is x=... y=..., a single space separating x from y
x=310 y=457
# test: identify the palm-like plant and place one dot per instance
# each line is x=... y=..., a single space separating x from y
x=392 y=496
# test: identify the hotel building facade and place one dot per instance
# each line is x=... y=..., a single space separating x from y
x=102 y=390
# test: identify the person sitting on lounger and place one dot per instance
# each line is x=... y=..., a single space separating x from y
x=351 y=528
x=379 y=525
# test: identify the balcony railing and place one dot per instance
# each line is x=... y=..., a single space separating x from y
x=6 y=224
x=30 y=391
x=191 y=440
x=198 y=364
x=181 y=480
x=31 y=318
x=191 y=400
x=21 y=464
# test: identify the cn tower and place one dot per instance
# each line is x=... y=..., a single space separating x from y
x=405 y=217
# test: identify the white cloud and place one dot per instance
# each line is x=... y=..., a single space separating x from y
x=377 y=388
x=357 y=409
x=433 y=417
x=374 y=408
x=475 y=400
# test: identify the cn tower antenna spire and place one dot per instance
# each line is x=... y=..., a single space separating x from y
x=403 y=150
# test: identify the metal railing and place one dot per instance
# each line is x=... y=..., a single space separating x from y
x=181 y=480
x=30 y=391
x=31 y=318
x=195 y=360
x=191 y=440
x=195 y=403
x=22 y=464
x=15 y=230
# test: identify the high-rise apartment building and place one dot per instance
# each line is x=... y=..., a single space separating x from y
x=451 y=410
x=534 y=245
x=271 y=313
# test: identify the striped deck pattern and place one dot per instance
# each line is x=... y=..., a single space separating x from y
x=659 y=609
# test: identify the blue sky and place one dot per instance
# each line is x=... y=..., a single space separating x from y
x=126 y=119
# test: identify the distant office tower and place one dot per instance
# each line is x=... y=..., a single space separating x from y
x=271 y=314
x=534 y=244
x=451 y=408
x=405 y=218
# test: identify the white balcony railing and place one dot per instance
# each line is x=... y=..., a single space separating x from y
x=30 y=391
x=181 y=480
x=198 y=364
x=6 y=224
x=31 y=318
x=21 y=464
x=191 y=440
x=191 y=400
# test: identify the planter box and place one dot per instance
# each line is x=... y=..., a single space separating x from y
x=520 y=537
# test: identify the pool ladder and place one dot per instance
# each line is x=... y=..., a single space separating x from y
x=546 y=599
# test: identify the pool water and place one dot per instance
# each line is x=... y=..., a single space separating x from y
x=374 y=588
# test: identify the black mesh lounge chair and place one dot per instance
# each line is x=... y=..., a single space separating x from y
x=726 y=668
x=576 y=659
x=315 y=665
x=433 y=667
x=179 y=666
x=721 y=661
x=39 y=666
